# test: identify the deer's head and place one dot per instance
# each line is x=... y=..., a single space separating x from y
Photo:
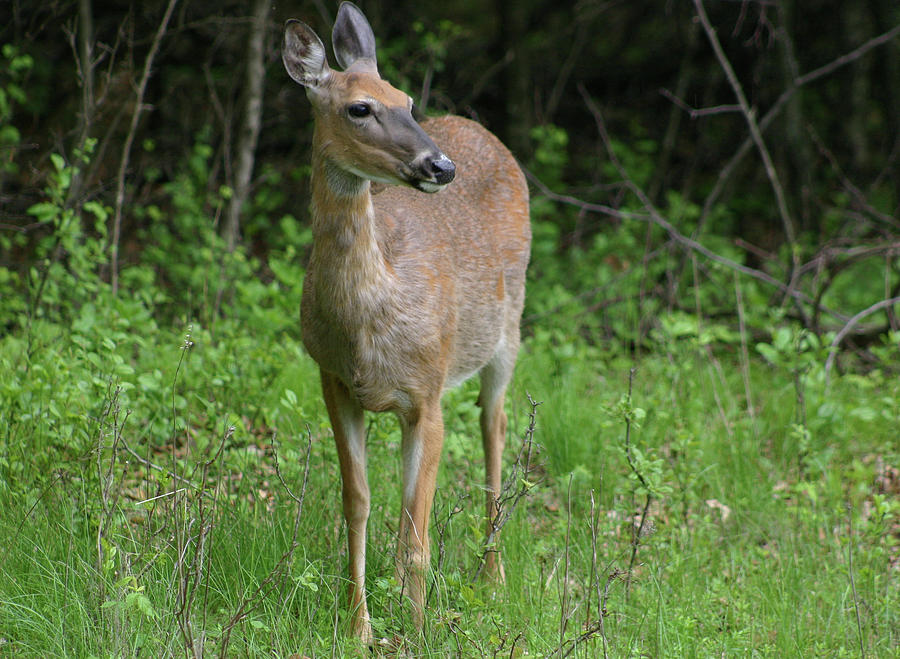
x=364 y=126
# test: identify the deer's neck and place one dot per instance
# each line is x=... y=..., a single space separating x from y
x=346 y=255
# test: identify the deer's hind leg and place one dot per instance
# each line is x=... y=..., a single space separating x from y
x=495 y=377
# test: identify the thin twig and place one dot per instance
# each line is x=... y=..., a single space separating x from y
x=280 y=569
x=590 y=629
x=564 y=608
x=853 y=55
x=726 y=172
x=849 y=186
x=828 y=255
x=595 y=579
x=779 y=104
x=745 y=355
x=755 y=133
x=129 y=140
x=298 y=499
x=440 y=530
x=152 y=465
x=160 y=496
x=696 y=113
x=582 y=36
x=514 y=488
x=862 y=647
x=636 y=533
x=840 y=336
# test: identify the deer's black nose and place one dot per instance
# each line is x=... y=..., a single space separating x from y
x=443 y=169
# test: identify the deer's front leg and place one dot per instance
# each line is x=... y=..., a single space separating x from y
x=423 y=439
x=347 y=422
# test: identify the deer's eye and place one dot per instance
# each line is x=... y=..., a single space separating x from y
x=359 y=110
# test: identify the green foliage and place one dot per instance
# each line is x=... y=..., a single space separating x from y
x=600 y=282
x=436 y=42
x=13 y=69
x=66 y=260
x=410 y=59
x=187 y=249
x=550 y=153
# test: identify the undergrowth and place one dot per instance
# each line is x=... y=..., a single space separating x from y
x=680 y=504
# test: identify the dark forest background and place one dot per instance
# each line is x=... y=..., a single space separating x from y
x=674 y=149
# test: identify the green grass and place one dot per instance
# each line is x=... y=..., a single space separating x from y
x=755 y=509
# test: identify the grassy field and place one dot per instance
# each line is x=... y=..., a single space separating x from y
x=730 y=506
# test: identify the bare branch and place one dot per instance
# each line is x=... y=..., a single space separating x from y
x=515 y=487
x=849 y=186
x=849 y=254
x=779 y=104
x=840 y=336
x=653 y=215
x=129 y=140
x=695 y=113
x=852 y=56
x=282 y=568
x=755 y=132
x=679 y=238
x=562 y=78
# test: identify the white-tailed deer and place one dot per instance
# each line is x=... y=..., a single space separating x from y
x=406 y=294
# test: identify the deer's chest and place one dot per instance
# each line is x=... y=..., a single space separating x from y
x=374 y=343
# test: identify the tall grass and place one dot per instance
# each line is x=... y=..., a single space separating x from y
x=143 y=514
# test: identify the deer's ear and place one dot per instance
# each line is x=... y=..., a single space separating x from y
x=353 y=39
x=304 y=55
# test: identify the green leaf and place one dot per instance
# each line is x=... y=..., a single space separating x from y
x=44 y=211
x=9 y=134
x=145 y=606
x=97 y=209
x=290 y=398
x=768 y=352
x=864 y=413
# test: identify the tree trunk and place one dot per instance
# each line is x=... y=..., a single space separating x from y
x=249 y=132
x=514 y=29
x=84 y=52
x=686 y=73
x=797 y=161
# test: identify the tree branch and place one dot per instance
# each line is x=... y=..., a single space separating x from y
x=726 y=172
x=129 y=140
x=840 y=336
x=755 y=133
x=852 y=56
x=654 y=216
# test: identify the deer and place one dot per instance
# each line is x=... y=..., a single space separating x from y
x=415 y=283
